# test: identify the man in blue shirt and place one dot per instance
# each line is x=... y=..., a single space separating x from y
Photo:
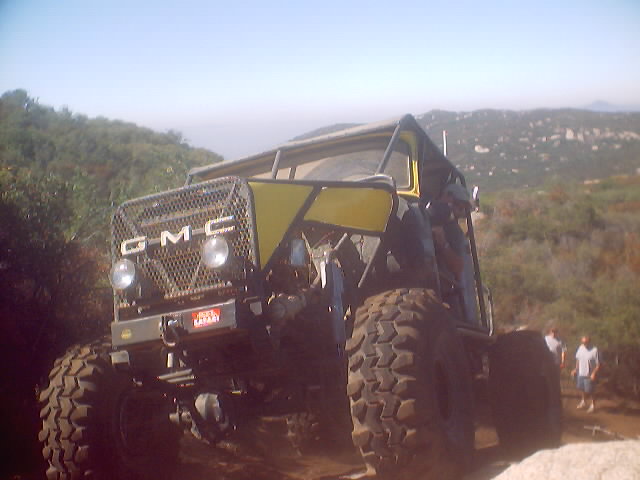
x=587 y=366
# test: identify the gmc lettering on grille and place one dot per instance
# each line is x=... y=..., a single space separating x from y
x=213 y=227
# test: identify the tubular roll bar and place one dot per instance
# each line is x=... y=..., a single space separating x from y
x=476 y=264
x=392 y=143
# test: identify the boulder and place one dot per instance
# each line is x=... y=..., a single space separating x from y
x=616 y=460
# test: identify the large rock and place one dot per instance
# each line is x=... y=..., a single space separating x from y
x=618 y=460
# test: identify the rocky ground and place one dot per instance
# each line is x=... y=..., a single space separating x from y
x=270 y=457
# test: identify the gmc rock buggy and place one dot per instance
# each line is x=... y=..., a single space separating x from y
x=303 y=282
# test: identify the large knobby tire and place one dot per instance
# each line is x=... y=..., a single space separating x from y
x=96 y=424
x=410 y=387
x=524 y=389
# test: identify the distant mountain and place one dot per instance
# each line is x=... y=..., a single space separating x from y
x=602 y=106
x=499 y=149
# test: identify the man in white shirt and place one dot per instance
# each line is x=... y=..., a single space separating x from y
x=587 y=366
x=556 y=346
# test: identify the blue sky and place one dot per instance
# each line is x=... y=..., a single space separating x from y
x=238 y=77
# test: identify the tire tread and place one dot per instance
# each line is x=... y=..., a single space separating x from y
x=384 y=367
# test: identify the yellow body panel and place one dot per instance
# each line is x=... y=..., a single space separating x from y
x=358 y=208
x=276 y=206
x=414 y=190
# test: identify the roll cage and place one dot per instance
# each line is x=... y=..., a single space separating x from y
x=429 y=169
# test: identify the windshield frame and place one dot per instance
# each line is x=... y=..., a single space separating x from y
x=286 y=163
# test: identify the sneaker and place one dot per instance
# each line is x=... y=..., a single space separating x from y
x=581 y=404
x=591 y=408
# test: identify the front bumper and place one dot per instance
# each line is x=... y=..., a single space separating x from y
x=190 y=323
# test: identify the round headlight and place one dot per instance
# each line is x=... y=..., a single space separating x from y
x=123 y=274
x=215 y=252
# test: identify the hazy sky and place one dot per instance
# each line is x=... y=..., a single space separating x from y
x=241 y=76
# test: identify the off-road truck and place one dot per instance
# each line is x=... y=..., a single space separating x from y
x=303 y=282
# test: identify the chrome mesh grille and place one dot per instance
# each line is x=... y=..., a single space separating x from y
x=175 y=271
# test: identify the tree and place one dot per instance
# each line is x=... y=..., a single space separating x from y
x=52 y=295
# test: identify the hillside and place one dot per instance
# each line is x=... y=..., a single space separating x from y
x=569 y=256
x=115 y=159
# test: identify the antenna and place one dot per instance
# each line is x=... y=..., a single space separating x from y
x=444 y=142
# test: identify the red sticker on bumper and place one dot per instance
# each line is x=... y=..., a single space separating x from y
x=205 y=318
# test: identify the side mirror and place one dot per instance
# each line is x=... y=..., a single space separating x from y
x=475 y=194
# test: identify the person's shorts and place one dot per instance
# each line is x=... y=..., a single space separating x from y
x=585 y=384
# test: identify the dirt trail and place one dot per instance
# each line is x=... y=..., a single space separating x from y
x=270 y=458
